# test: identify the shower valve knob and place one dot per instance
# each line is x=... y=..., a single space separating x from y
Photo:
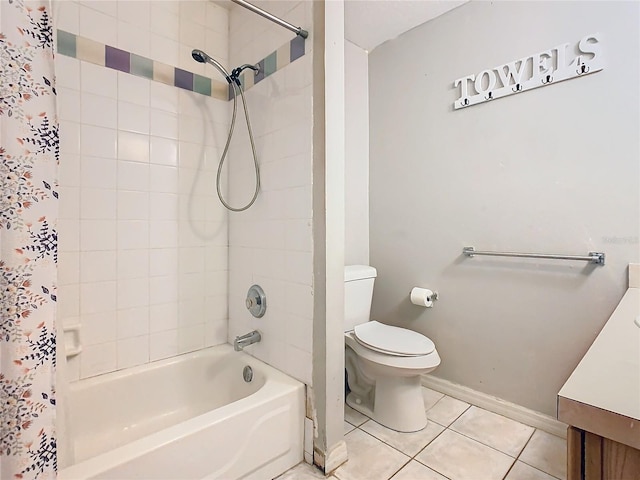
x=256 y=301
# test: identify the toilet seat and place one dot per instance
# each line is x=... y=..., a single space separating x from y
x=392 y=340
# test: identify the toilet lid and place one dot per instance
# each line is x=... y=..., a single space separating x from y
x=393 y=340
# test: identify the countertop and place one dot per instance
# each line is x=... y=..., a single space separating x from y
x=604 y=389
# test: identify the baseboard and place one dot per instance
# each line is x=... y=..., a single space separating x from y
x=497 y=405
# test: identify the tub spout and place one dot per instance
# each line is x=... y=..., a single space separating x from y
x=243 y=341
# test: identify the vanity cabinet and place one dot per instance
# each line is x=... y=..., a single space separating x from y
x=592 y=457
x=600 y=401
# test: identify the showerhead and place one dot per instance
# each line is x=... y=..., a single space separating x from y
x=201 y=57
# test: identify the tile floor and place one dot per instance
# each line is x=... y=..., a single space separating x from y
x=460 y=442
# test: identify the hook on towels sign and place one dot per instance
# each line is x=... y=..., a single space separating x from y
x=537 y=70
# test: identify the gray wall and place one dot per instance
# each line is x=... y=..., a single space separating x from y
x=554 y=169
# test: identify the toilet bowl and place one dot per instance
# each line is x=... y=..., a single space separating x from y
x=383 y=362
x=384 y=365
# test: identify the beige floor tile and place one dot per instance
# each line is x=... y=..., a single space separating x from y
x=354 y=417
x=369 y=458
x=460 y=458
x=446 y=410
x=416 y=471
x=494 y=430
x=407 y=443
x=522 y=471
x=546 y=452
x=347 y=427
x=431 y=397
x=302 y=471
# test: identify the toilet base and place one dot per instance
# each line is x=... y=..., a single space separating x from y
x=397 y=404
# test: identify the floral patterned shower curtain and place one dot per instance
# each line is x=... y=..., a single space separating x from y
x=29 y=151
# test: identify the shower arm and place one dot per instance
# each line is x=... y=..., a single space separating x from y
x=297 y=30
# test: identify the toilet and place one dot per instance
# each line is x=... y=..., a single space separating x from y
x=383 y=362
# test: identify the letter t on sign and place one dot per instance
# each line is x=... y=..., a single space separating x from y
x=464 y=85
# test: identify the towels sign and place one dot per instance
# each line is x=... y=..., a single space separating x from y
x=537 y=70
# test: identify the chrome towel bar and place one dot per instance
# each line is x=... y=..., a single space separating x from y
x=593 y=257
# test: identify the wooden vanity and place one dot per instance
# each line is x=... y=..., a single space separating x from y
x=601 y=399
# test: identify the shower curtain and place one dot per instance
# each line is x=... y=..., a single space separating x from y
x=29 y=151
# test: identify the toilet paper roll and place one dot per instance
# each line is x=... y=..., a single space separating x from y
x=422 y=297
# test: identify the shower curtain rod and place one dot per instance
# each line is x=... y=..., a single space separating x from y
x=297 y=30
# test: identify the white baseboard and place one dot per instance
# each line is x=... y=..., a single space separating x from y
x=497 y=405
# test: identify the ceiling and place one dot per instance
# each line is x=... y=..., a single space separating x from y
x=369 y=23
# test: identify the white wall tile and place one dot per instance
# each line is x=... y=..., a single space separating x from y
x=98 y=80
x=163 y=22
x=163 y=317
x=163 y=179
x=190 y=338
x=133 y=263
x=97 y=297
x=133 y=292
x=99 y=110
x=164 y=151
x=97 y=235
x=133 y=205
x=69 y=203
x=163 y=261
x=120 y=216
x=68 y=104
x=98 y=141
x=69 y=138
x=98 y=328
x=68 y=268
x=97 y=266
x=67 y=16
x=163 y=344
x=97 y=204
x=133 y=176
x=98 y=172
x=68 y=300
x=163 y=289
x=164 y=124
x=108 y=7
x=67 y=72
x=98 y=359
x=133 y=118
x=132 y=351
x=163 y=206
x=164 y=97
x=135 y=12
x=133 y=322
x=133 y=146
x=133 y=234
x=97 y=25
x=134 y=89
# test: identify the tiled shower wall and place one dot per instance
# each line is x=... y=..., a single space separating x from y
x=271 y=243
x=143 y=238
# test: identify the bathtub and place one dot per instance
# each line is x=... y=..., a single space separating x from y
x=188 y=417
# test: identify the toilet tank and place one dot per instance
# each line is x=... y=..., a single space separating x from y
x=358 y=293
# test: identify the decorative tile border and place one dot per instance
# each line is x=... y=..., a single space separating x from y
x=91 y=51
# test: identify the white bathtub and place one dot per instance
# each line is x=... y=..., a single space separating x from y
x=188 y=417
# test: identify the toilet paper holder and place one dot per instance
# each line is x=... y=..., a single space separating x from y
x=422 y=297
x=433 y=297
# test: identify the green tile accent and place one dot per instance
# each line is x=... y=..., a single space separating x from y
x=201 y=84
x=141 y=66
x=270 y=64
x=66 y=43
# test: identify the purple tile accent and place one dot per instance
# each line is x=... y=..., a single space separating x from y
x=117 y=59
x=183 y=79
x=297 y=48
